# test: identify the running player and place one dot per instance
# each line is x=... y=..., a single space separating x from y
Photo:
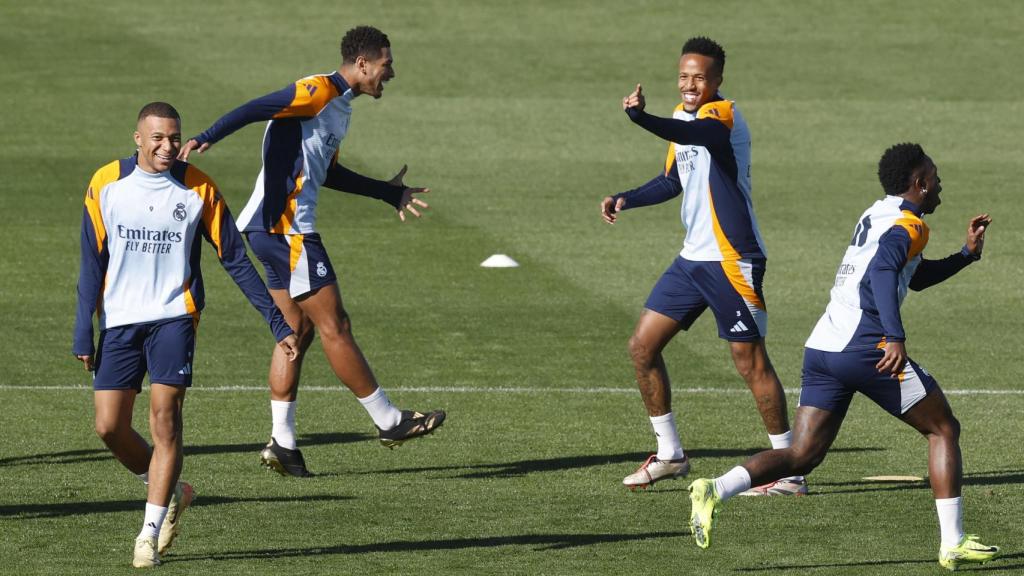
x=859 y=345
x=721 y=265
x=143 y=219
x=307 y=122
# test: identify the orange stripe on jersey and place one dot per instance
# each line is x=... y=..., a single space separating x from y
x=724 y=246
x=284 y=224
x=670 y=161
x=740 y=284
x=213 y=203
x=295 y=244
x=100 y=179
x=311 y=95
x=917 y=230
x=190 y=303
x=720 y=110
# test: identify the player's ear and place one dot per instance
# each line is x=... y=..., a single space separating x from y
x=138 y=140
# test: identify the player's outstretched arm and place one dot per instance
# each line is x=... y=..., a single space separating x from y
x=393 y=191
x=702 y=132
x=932 y=272
x=661 y=188
x=302 y=99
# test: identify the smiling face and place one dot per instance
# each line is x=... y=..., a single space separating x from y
x=158 y=140
x=699 y=80
x=374 y=72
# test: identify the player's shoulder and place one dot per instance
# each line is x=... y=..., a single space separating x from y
x=189 y=176
x=328 y=84
x=721 y=110
x=109 y=173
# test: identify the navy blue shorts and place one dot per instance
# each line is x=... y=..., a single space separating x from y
x=164 y=349
x=831 y=378
x=732 y=289
x=297 y=263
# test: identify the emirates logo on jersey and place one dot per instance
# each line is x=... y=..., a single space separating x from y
x=179 y=212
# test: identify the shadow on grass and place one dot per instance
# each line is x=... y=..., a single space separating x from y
x=32 y=511
x=996 y=565
x=539 y=542
x=523 y=467
x=98 y=454
x=993 y=478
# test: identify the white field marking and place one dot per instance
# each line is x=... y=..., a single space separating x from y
x=491 y=390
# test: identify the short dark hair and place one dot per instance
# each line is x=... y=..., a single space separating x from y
x=365 y=41
x=706 y=47
x=160 y=110
x=898 y=165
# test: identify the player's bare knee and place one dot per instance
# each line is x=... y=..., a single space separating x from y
x=643 y=355
x=165 y=425
x=110 y=430
x=805 y=460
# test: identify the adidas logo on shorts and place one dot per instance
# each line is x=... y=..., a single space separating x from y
x=739 y=326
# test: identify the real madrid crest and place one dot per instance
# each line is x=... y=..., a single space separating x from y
x=179 y=212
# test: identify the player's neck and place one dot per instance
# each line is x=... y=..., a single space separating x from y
x=350 y=75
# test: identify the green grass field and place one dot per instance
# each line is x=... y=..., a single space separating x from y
x=511 y=113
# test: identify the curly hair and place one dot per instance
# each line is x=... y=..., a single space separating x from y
x=706 y=47
x=898 y=165
x=160 y=110
x=365 y=41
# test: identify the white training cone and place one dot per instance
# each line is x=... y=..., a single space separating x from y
x=499 y=261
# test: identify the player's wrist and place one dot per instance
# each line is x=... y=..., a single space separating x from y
x=966 y=252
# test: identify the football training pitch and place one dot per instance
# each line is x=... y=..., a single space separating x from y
x=511 y=113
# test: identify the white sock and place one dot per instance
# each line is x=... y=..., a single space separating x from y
x=669 y=446
x=384 y=414
x=951 y=520
x=144 y=477
x=154 y=518
x=732 y=482
x=282 y=414
x=781 y=442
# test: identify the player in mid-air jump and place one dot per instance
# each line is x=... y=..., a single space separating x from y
x=141 y=229
x=859 y=345
x=721 y=265
x=307 y=122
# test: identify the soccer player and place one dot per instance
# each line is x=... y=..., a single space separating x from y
x=307 y=122
x=141 y=229
x=859 y=345
x=721 y=265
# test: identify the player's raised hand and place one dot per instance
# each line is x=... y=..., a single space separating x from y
x=635 y=100
x=976 y=234
x=610 y=208
x=894 y=359
x=88 y=361
x=189 y=146
x=290 y=345
x=408 y=202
